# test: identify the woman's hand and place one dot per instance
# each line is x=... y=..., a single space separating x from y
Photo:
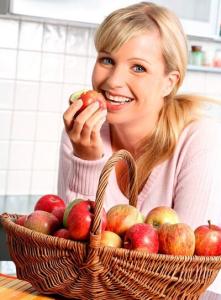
x=84 y=130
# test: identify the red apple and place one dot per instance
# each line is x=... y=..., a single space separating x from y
x=68 y=209
x=87 y=98
x=49 y=202
x=161 y=215
x=80 y=219
x=142 y=237
x=58 y=212
x=176 y=239
x=208 y=240
x=121 y=217
x=110 y=239
x=62 y=233
x=21 y=220
x=42 y=221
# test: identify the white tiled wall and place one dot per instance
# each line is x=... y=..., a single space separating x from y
x=41 y=64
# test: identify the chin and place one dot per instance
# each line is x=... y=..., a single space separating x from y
x=114 y=120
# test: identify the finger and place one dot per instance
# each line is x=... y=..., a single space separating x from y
x=88 y=111
x=84 y=116
x=90 y=124
x=95 y=134
x=79 y=122
x=69 y=114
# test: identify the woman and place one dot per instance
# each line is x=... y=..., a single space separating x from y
x=141 y=63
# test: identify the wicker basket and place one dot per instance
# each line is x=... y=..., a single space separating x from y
x=88 y=271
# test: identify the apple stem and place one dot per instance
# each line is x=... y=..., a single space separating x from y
x=209 y=222
x=156 y=224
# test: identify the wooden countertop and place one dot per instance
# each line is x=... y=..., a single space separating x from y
x=12 y=288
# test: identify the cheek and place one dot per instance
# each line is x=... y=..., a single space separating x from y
x=94 y=76
x=157 y=87
x=98 y=76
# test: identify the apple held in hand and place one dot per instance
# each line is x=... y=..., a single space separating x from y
x=49 y=202
x=80 y=219
x=121 y=217
x=161 y=215
x=42 y=221
x=142 y=237
x=176 y=239
x=208 y=240
x=87 y=98
x=110 y=239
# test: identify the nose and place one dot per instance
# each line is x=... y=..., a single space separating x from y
x=116 y=78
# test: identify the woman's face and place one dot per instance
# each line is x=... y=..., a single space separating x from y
x=133 y=80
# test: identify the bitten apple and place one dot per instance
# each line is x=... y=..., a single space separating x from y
x=142 y=237
x=121 y=217
x=88 y=97
x=80 y=219
x=42 y=221
x=110 y=239
x=161 y=215
x=208 y=240
x=176 y=239
x=49 y=202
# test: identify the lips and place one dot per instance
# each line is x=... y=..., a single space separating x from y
x=116 y=102
x=117 y=99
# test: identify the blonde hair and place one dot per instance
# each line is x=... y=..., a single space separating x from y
x=178 y=110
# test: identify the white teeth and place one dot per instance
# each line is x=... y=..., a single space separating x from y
x=117 y=99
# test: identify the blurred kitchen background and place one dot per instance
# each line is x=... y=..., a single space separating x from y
x=46 y=53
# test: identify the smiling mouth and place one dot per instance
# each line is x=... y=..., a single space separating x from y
x=117 y=100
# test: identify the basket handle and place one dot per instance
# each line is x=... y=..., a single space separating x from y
x=103 y=181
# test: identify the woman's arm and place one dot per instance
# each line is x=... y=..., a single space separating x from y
x=77 y=177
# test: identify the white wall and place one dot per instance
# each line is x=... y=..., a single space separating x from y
x=41 y=64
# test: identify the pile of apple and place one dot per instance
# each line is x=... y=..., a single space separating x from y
x=123 y=226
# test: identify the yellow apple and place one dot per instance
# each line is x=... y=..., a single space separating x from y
x=161 y=215
x=121 y=217
x=110 y=239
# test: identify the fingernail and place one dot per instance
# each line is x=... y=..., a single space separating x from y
x=96 y=104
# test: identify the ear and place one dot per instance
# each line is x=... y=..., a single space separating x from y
x=171 y=80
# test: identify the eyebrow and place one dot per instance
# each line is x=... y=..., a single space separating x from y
x=103 y=51
x=141 y=59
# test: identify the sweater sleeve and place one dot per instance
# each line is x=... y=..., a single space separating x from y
x=77 y=177
x=198 y=187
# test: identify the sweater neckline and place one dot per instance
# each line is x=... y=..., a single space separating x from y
x=149 y=183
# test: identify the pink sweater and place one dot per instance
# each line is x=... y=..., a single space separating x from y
x=190 y=181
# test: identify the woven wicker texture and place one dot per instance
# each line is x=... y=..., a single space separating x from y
x=87 y=271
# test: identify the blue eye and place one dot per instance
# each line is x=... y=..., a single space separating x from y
x=139 y=69
x=106 y=60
